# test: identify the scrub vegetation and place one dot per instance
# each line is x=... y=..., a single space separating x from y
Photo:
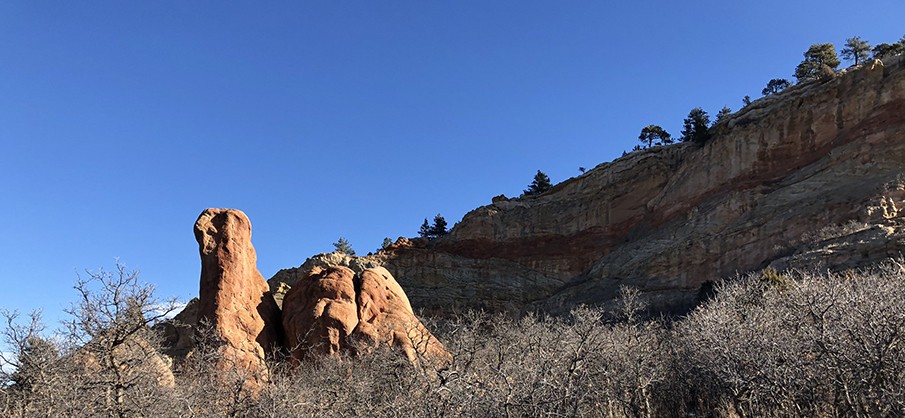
x=768 y=344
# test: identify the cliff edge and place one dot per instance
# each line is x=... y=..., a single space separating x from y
x=812 y=177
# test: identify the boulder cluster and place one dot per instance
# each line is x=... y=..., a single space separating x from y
x=330 y=311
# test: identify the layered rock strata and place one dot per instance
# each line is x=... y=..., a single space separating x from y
x=670 y=220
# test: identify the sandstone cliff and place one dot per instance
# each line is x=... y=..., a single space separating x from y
x=670 y=220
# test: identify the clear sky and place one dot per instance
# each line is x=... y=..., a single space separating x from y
x=121 y=121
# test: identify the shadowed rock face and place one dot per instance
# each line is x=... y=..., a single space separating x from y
x=136 y=359
x=335 y=310
x=234 y=297
x=177 y=334
x=385 y=316
x=668 y=220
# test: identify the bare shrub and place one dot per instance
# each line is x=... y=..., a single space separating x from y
x=33 y=370
x=772 y=344
x=834 y=231
x=824 y=345
x=106 y=362
x=209 y=382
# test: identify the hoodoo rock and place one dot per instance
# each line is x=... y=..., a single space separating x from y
x=234 y=297
x=333 y=310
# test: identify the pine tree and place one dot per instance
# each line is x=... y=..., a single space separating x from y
x=746 y=100
x=540 y=184
x=695 y=126
x=775 y=86
x=387 y=242
x=342 y=245
x=856 y=49
x=439 y=227
x=425 y=230
x=887 y=50
x=819 y=61
x=722 y=114
x=654 y=133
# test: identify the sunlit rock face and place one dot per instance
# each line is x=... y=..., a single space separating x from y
x=334 y=310
x=669 y=220
x=234 y=298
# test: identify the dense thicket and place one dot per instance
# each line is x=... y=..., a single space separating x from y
x=764 y=345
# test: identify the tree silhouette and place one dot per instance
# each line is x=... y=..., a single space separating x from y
x=722 y=114
x=887 y=50
x=695 y=126
x=654 y=133
x=776 y=86
x=342 y=245
x=819 y=61
x=425 y=230
x=438 y=229
x=540 y=184
x=856 y=49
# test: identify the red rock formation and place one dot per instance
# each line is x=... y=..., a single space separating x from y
x=319 y=312
x=385 y=317
x=234 y=297
x=333 y=310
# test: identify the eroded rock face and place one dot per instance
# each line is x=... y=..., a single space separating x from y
x=385 y=317
x=135 y=360
x=334 y=310
x=286 y=278
x=177 y=334
x=668 y=220
x=152 y=365
x=234 y=297
x=319 y=312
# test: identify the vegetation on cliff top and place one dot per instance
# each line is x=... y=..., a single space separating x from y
x=820 y=62
x=435 y=230
x=540 y=184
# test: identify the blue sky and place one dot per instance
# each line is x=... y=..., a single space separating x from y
x=121 y=121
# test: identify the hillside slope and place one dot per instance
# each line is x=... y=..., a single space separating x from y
x=768 y=188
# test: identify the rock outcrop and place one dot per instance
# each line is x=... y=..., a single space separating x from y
x=323 y=307
x=385 y=317
x=177 y=335
x=284 y=279
x=335 y=310
x=234 y=298
x=319 y=313
x=669 y=220
x=134 y=359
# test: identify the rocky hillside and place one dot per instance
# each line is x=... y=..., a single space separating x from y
x=812 y=177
